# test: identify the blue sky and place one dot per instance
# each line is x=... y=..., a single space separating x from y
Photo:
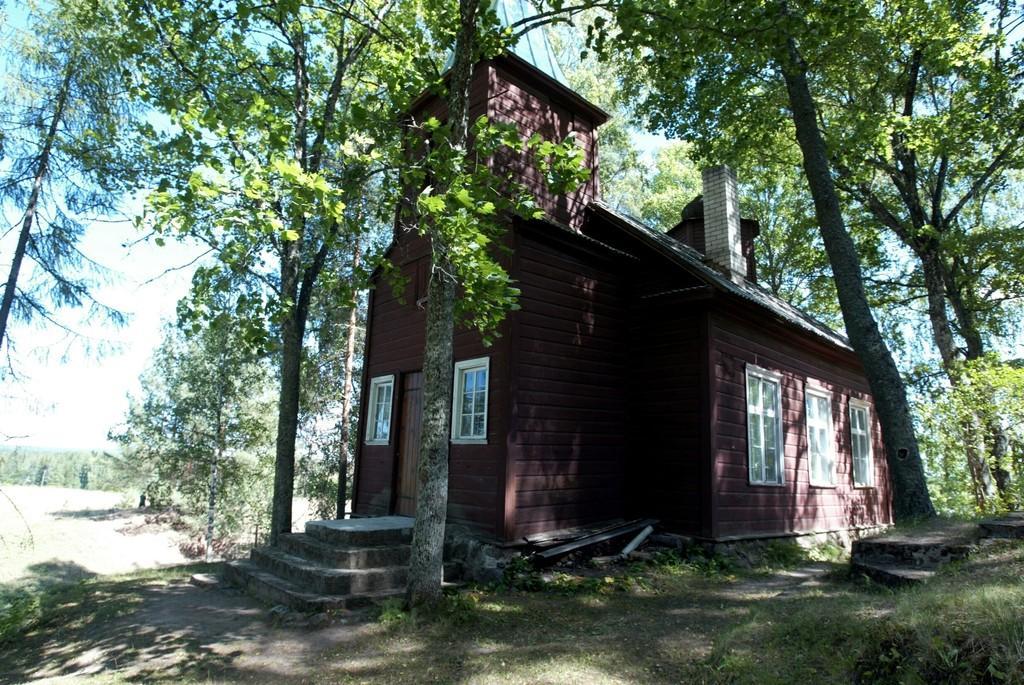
x=69 y=396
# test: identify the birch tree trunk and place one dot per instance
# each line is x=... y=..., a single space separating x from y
x=32 y=206
x=911 y=498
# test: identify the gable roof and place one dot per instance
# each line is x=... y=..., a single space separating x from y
x=694 y=263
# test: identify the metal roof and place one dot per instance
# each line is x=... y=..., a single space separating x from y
x=695 y=263
x=532 y=47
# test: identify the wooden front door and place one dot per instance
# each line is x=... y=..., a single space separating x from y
x=409 y=443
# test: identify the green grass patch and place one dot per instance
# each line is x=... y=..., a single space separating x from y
x=690 y=619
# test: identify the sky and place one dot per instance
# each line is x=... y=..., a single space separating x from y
x=70 y=396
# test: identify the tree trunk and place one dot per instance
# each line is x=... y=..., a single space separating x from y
x=344 y=456
x=942 y=334
x=292 y=328
x=31 y=208
x=911 y=498
x=426 y=564
x=211 y=504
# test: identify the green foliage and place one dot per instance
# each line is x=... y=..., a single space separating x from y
x=205 y=401
x=64 y=155
x=919 y=110
x=989 y=393
x=20 y=609
x=694 y=562
x=322 y=400
x=62 y=468
x=282 y=145
x=466 y=204
x=392 y=612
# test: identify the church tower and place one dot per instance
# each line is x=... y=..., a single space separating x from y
x=526 y=87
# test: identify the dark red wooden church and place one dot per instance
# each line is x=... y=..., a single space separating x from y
x=646 y=374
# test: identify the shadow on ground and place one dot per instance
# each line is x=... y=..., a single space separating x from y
x=146 y=627
x=96 y=514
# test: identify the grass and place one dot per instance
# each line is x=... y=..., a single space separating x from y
x=688 y=623
x=675 y=620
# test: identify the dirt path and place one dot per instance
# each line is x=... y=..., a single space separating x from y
x=173 y=631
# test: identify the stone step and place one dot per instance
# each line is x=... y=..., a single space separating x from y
x=365 y=532
x=307 y=547
x=1004 y=527
x=276 y=590
x=893 y=575
x=325 y=580
x=908 y=553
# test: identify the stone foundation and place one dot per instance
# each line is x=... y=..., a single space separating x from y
x=753 y=551
x=480 y=561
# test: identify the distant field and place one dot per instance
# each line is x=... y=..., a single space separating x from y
x=49 y=533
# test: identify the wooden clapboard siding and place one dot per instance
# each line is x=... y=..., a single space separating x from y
x=738 y=339
x=568 y=413
x=396 y=329
x=536 y=104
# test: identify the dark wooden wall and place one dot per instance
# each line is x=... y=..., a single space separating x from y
x=535 y=105
x=396 y=335
x=569 y=364
x=739 y=508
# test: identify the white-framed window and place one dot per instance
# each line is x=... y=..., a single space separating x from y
x=860 y=443
x=469 y=400
x=764 y=426
x=820 y=443
x=378 y=414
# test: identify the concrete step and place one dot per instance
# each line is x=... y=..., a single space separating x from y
x=365 y=532
x=307 y=547
x=1003 y=527
x=893 y=575
x=908 y=553
x=324 y=580
x=275 y=590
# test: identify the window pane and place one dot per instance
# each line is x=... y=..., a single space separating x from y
x=478 y=402
x=466 y=426
x=769 y=397
x=478 y=425
x=756 y=463
x=771 y=451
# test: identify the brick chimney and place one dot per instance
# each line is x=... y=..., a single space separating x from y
x=723 y=239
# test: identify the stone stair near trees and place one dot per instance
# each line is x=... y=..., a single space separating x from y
x=334 y=565
x=908 y=557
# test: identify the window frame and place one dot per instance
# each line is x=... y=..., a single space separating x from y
x=461 y=367
x=376 y=383
x=775 y=378
x=860 y=405
x=812 y=390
